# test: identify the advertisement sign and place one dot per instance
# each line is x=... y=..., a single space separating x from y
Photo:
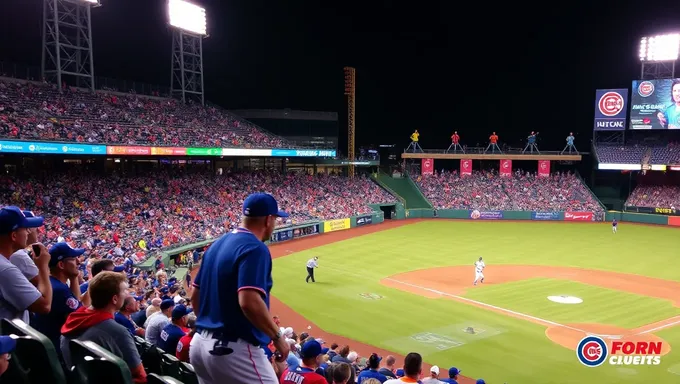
x=674 y=221
x=204 y=151
x=128 y=151
x=336 y=225
x=611 y=109
x=578 y=216
x=427 y=166
x=364 y=220
x=671 y=211
x=619 y=167
x=655 y=104
x=506 y=168
x=545 y=215
x=51 y=148
x=465 y=167
x=294 y=233
x=544 y=168
x=486 y=215
x=168 y=151
x=303 y=153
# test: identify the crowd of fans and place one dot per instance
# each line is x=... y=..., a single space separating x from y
x=656 y=190
x=637 y=153
x=522 y=191
x=34 y=111
x=131 y=216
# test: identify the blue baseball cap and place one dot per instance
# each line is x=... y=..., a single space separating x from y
x=260 y=205
x=119 y=268
x=7 y=344
x=481 y=381
x=180 y=311
x=167 y=303
x=399 y=372
x=453 y=371
x=13 y=218
x=311 y=349
x=62 y=251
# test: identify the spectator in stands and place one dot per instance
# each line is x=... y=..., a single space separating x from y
x=434 y=376
x=139 y=317
x=21 y=258
x=389 y=368
x=413 y=367
x=184 y=344
x=155 y=307
x=7 y=346
x=340 y=373
x=97 y=266
x=158 y=321
x=17 y=294
x=124 y=316
x=341 y=357
x=65 y=291
x=173 y=332
x=305 y=373
x=372 y=371
x=453 y=376
x=108 y=291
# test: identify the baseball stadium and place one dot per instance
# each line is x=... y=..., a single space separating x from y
x=140 y=223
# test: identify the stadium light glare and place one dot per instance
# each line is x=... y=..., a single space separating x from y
x=660 y=47
x=187 y=16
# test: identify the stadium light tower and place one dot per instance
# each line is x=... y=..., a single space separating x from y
x=350 y=92
x=67 y=42
x=658 y=55
x=188 y=22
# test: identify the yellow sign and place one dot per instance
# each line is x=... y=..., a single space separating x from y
x=335 y=225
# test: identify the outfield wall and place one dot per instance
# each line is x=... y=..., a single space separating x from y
x=644 y=218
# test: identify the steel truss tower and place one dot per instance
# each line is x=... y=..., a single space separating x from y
x=350 y=92
x=186 y=79
x=67 y=43
x=657 y=70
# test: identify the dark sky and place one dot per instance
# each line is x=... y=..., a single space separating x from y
x=431 y=65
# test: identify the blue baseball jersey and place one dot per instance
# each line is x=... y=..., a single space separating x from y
x=169 y=338
x=614 y=223
x=449 y=381
x=371 y=374
x=125 y=322
x=63 y=303
x=672 y=115
x=236 y=261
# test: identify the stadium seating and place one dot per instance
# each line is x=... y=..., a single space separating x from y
x=93 y=364
x=34 y=111
x=620 y=154
x=656 y=190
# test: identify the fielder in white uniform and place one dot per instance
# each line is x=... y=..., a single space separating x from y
x=479 y=270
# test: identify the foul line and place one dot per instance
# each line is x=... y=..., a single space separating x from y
x=660 y=327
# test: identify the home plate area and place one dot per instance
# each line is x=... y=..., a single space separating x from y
x=441 y=339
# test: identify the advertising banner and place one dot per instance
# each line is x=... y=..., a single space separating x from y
x=545 y=215
x=655 y=104
x=246 y=152
x=611 y=109
x=336 y=225
x=671 y=211
x=128 y=151
x=544 y=168
x=364 y=220
x=674 y=221
x=204 y=151
x=303 y=153
x=505 y=168
x=294 y=233
x=168 y=151
x=427 y=166
x=465 y=167
x=486 y=215
x=51 y=148
x=578 y=216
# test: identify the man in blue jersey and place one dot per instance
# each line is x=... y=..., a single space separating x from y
x=231 y=300
x=172 y=332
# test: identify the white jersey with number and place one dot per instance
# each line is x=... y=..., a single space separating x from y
x=479 y=266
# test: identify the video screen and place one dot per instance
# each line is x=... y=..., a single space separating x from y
x=655 y=104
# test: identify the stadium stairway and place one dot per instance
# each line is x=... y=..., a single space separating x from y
x=405 y=189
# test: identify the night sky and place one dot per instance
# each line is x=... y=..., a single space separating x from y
x=431 y=65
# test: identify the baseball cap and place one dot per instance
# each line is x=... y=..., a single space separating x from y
x=119 y=268
x=311 y=349
x=7 y=344
x=399 y=372
x=180 y=311
x=260 y=205
x=13 y=218
x=165 y=304
x=62 y=251
x=434 y=369
x=481 y=381
x=453 y=371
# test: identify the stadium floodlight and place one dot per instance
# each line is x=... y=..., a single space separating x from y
x=187 y=16
x=660 y=47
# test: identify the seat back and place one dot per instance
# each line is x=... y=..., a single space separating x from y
x=158 y=379
x=36 y=356
x=94 y=364
x=169 y=364
x=187 y=375
x=151 y=358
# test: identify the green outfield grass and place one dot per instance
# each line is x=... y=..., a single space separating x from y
x=509 y=350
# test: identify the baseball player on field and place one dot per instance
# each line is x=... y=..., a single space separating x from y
x=231 y=300
x=614 y=225
x=479 y=270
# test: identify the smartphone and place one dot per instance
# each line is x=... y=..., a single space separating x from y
x=36 y=250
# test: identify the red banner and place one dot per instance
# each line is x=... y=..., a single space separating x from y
x=674 y=221
x=578 y=216
x=506 y=168
x=168 y=151
x=427 y=166
x=544 y=168
x=465 y=167
x=113 y=150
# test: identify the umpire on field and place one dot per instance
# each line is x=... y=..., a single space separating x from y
x=311 y=264
x=231 y=300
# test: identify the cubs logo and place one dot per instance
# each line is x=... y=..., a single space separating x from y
x=646 y=88
x=543 y=165
x=475 y=214
x=610 y=104
x=72 y=303
x=591 y=351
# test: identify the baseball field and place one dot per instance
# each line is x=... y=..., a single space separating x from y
x=406 y=286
